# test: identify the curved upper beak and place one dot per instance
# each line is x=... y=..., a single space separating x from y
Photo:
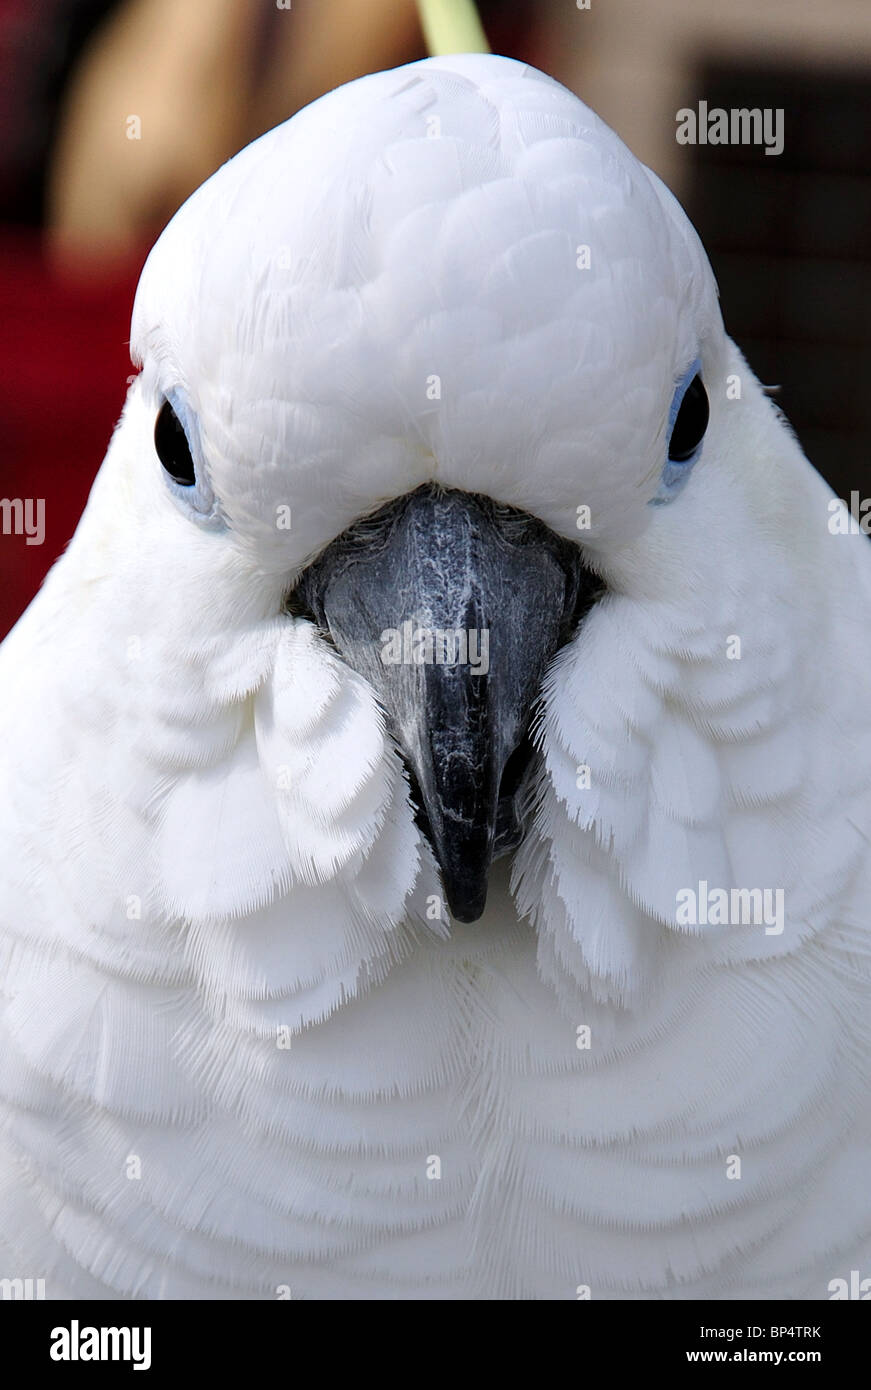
x=452 y=608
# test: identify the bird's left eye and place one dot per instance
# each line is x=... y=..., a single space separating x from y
x=172 y=447
x=690 y=422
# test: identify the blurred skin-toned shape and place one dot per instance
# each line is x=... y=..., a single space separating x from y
x=202 y=81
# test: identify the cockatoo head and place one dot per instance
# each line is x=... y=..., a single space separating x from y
x=430 y=358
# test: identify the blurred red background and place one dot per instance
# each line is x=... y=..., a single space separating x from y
x=64 y=366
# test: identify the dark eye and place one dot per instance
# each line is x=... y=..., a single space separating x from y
x=172 y=447
x=690 y=423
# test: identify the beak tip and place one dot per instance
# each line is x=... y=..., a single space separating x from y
x=466 y=896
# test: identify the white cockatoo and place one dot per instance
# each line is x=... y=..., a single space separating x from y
x=439 y=359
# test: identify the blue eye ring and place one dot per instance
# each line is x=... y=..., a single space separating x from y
x=196 y=499
x=677 y=470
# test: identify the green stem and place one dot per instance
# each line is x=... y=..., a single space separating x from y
x=452 y=26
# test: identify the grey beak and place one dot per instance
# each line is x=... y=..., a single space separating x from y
x=451 y=607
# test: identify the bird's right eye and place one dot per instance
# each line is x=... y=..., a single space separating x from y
x=172 y=447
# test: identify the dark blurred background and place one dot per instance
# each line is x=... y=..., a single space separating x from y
x=113 y=111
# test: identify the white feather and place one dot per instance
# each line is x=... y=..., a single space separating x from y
x=237 y=1050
